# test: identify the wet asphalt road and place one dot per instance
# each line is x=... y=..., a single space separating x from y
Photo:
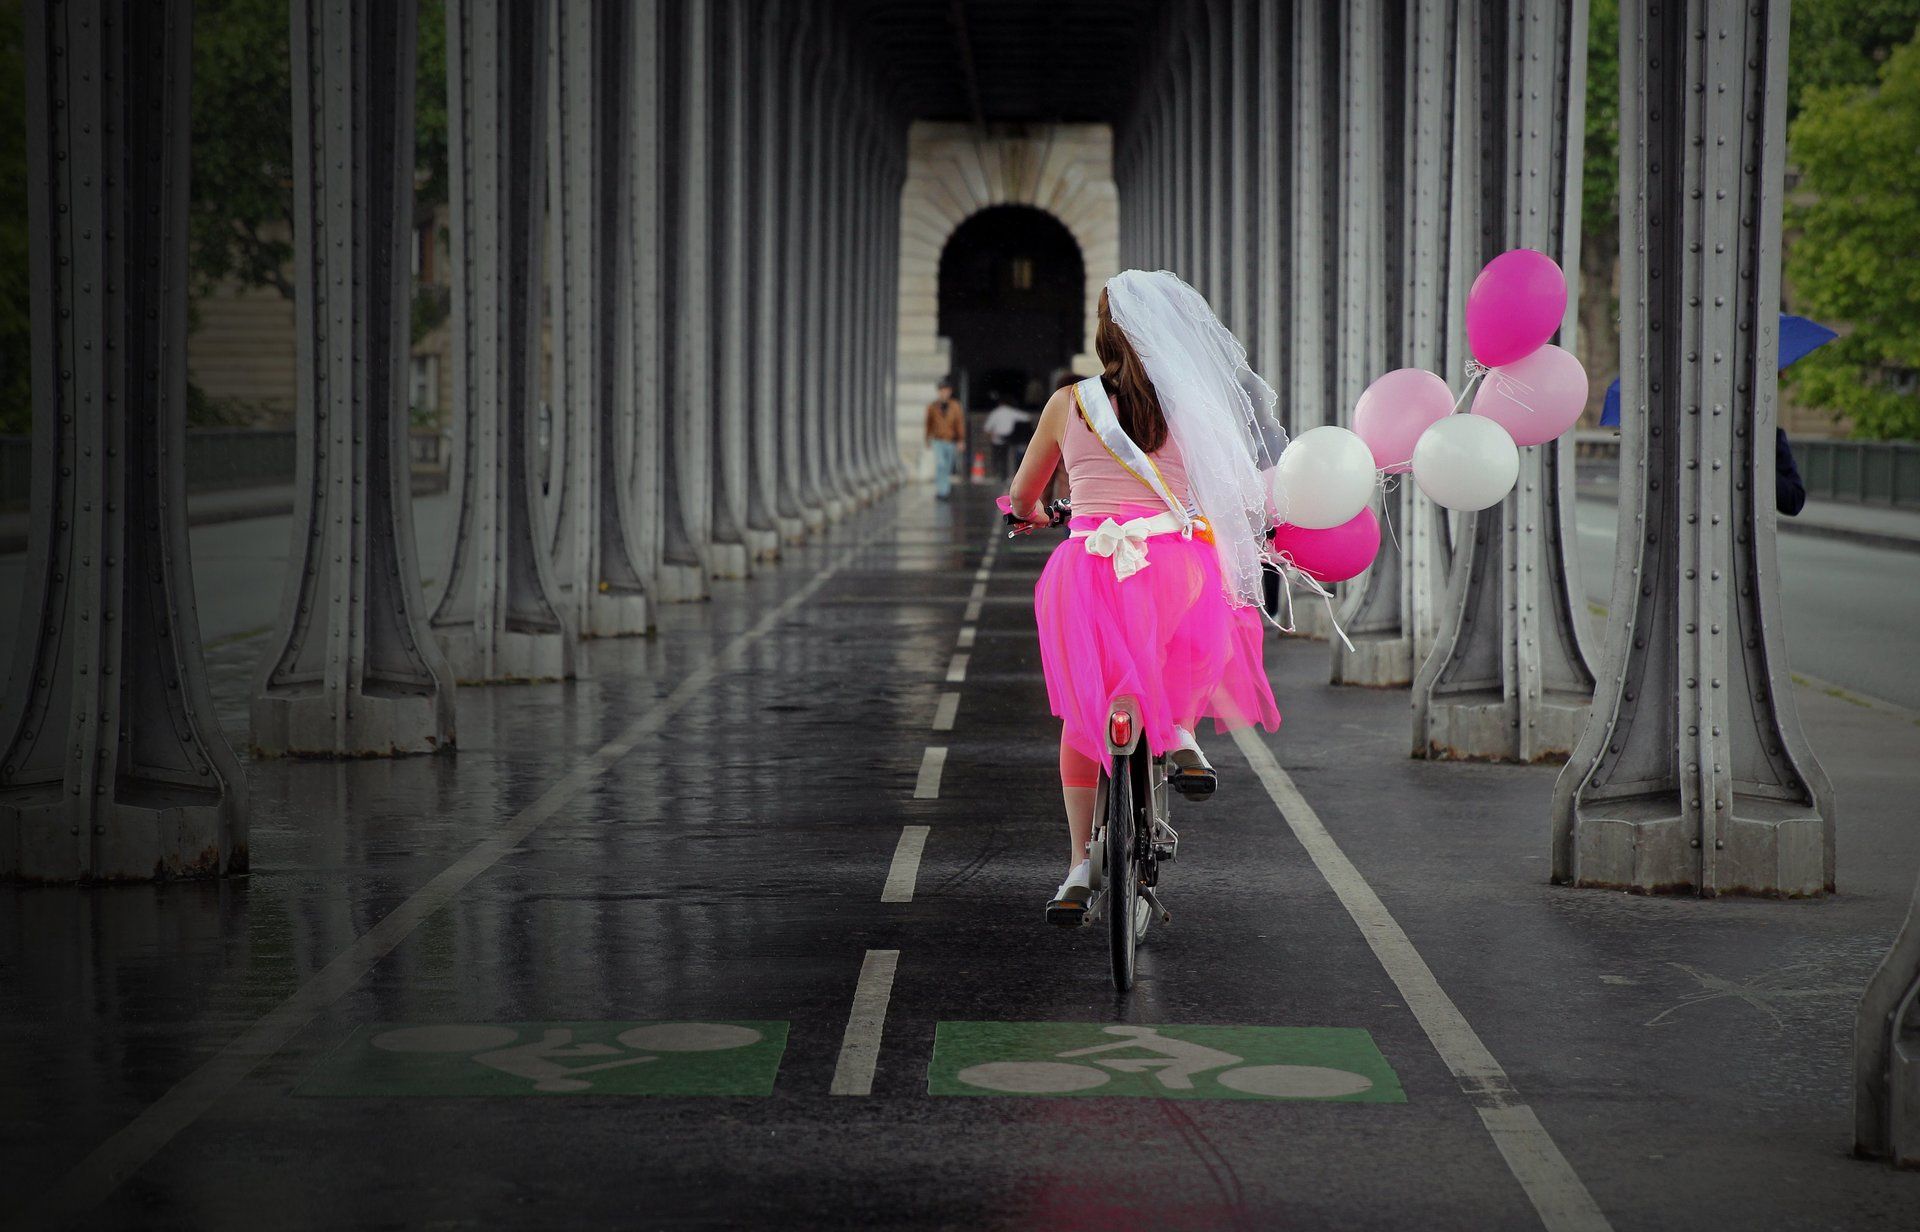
x=702 y=829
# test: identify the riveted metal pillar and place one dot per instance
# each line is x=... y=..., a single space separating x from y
x=596 y=565
x=1693 y=774
x=1310 y=401
x=800 y=88
x=687 y=425
x=1434 y=302
x=354 y=669
x=1371 y=85
x=833 y=317
x=773 y=26
x=1508 y=678
x=1192 y=106
x=1243 y=90
x=1886 y=1057
x=113 y=766
x=1219 y=155
x=500 y=617
x=821 y=113
x=1273 y=258
x=730 y=552
x=639 y=361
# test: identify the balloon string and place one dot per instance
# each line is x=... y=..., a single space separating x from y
x=1476 y=372
x=1291 y=573
x=1508 y=384
x=1389 y=485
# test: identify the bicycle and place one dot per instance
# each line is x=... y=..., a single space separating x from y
x=1132 y=830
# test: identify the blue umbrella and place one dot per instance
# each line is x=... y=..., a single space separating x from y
x=1799 y=338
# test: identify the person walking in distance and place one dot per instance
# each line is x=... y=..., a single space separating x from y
x=946 y=432
x=1003 y=421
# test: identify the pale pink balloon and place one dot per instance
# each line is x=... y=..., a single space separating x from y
x=1536 y=398
x=1514 y=306
x=1336 y=553
x=1395 y=410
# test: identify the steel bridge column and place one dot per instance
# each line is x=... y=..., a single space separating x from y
x=833 y=355
x=1375 y=604
x=765 y=400
x=639 y=357
x=1274 y=185
x=354 y=669
x=603 y=585
x=1886 y=1058
x=499 y=617
x=1315 y=149
x=729 y=318
x=1242 y=171
x=1434 y=304
x=1693 y=774
x=1219 y=156
x=1508 y=678
x=821 y=114
x=799 y=88
x=113 y=766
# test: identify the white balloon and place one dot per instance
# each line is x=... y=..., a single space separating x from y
x=1466 y=462
x=1325 y=478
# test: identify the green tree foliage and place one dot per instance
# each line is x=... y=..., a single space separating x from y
x=242 y=194
x=16 y=326
x=1856 y=257
x=1843 y=43
x=1600 y=175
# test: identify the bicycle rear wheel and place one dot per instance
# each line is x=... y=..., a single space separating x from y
x=1123 y=887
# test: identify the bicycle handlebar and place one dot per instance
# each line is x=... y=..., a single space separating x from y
x=1057 y=514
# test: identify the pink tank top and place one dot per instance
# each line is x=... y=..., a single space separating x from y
x=1096 y=483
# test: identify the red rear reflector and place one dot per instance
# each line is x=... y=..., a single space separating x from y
x=1120 y=727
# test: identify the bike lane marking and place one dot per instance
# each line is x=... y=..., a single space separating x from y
x=860 y=1046
x=957 y=669
x=945 y=713
x=89 y=1182
x=1080 y=1059
x=1558 y=1195
x=905 y=869
x=967 y=633
x=931 y=763
x=551 y=1059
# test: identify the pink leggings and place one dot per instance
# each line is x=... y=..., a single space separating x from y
x=1076 y=768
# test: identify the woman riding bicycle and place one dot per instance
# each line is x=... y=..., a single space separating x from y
x=1156 y=596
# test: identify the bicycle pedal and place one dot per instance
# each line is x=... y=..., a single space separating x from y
x=1166 y=917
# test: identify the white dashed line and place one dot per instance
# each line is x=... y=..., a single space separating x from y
x=944 y=713
x=973 y=611
x=979 y=591
x=860 y=1046
x=1556 y=1191
x=931 y=764
x=966 y=637
x=905 y=869
x=957 y=670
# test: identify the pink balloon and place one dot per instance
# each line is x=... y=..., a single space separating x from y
x=1395 y=410
x=1514 y=306
x=1535 y=398
x=1336 y=553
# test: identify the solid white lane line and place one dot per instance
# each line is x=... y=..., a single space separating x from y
x=860 y=1046
x=905 y=869
x=943 y=714
x=119 y=1157
x=931 y=764
x=966 y=637
x=973 y=611
x=1556 y=1191
x=957 y=670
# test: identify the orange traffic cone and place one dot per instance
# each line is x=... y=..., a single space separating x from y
x=979 y=466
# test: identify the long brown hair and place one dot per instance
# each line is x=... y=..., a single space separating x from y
x=1125 y=378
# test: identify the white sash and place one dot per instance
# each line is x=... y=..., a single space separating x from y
x=1091 y=397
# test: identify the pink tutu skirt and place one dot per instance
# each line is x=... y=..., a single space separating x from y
x=1166 y=636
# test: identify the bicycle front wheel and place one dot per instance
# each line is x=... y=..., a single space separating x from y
x=1122 y=883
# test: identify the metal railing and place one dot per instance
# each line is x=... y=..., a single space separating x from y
x=1885 y=473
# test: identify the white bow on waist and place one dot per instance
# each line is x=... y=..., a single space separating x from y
x=1125 y=543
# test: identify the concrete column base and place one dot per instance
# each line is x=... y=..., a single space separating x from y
x=183 y=833
x=290 y=723
x=729 y=560
x=792 y=530
x=763 y=544
x=1377 y=661
x=1771 y=848
x=517 y=657
x=617 y=613
x=682 y=583
x=1482 y=726
x=815 y=516
x=837 y=508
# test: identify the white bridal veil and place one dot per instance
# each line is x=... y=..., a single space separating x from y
x=1219 y=413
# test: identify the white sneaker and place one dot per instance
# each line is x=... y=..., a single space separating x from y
x=1069 y=906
